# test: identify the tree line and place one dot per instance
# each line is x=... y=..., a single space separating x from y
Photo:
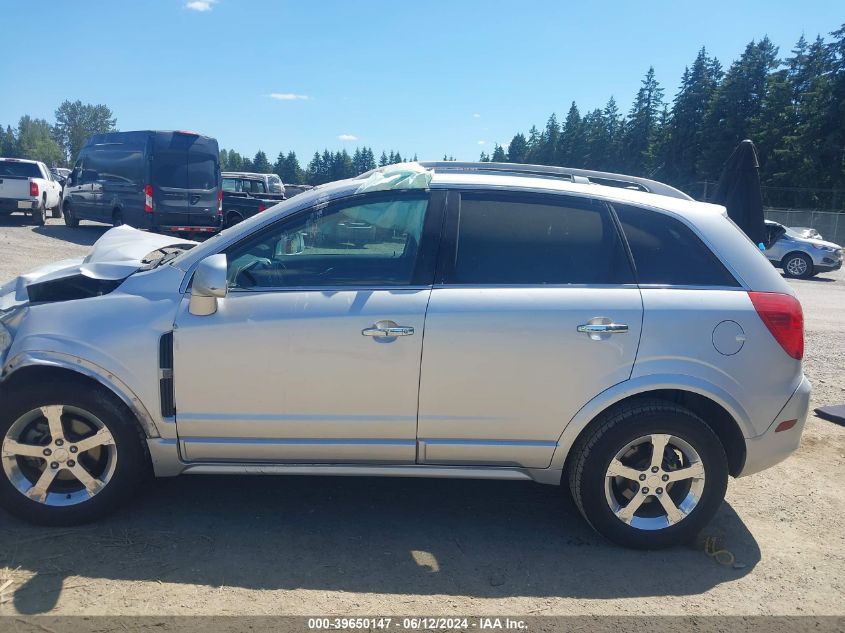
x=793 y=108
x=56 y=144
x=325 y=166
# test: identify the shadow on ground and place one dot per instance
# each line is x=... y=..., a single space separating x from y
x=394 y=536
x=820 y=277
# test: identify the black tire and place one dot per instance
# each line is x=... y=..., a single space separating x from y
x=117 y=218
x=56 y=212
x=131 y=465
x=232 y=219
x=594 y=451
x=39 y=214
x=70 y=218
x=798 y=266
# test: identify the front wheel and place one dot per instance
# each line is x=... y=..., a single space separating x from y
x=798 y=265
x=69 y=454
x=651 y=475
x=70 y=217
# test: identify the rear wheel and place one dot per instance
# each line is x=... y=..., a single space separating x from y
x=56 y=212
x=70 y=217
x=798 y=265
x=39 y=214
x=69 y=455
x=651 y=475
x=233 y=218
x=117 y=218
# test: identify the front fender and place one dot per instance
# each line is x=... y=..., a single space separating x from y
x=639 y=385
x=90 y=370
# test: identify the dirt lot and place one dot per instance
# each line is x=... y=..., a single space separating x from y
x=292 y=545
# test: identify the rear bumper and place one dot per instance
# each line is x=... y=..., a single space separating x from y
x=10 y=205
x=773 y=447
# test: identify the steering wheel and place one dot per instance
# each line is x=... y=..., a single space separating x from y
x=246 y=271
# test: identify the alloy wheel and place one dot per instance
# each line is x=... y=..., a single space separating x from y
x=796 y=266
x=654 y=482
x=58 y=455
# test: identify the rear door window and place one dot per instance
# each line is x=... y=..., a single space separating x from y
x=170 y=170
x=667 y=252
x=524 y=239
x=202 y=170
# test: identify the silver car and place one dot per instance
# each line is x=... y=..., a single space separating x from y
x=798 y=255
x=595 y=331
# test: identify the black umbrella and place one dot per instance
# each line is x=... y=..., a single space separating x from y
x=739 y=191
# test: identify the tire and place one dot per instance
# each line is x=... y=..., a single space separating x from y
x=56 y=212
x=233 y=218
x=115 y=467
x=39 y=214
x=117 y=218
x=596 y=491
x=798 y=266
x=70 y=217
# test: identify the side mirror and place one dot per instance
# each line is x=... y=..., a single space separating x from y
x=209 y=285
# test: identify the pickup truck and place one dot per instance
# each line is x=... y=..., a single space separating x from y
x=245 y=195
x=29 y=187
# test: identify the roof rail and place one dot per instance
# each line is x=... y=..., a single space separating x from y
x=574 y=175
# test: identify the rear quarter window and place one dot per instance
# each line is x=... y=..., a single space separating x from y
x=667 y=252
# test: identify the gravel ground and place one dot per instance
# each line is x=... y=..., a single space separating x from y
x=288 y=545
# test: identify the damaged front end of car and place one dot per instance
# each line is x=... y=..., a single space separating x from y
x=117 y=255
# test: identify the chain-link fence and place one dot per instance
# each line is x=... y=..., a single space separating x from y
x=830 y=224
x=820 y=209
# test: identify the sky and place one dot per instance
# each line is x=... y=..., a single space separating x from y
x=431 y=78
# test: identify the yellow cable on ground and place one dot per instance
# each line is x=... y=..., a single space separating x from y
x=721 y=556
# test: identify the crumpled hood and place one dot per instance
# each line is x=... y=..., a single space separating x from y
x=113 y=257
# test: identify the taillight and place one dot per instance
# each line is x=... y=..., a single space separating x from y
x=220 y=203
x=783 y=316
x=148 y=199
x=33 y=189
x=261 y=207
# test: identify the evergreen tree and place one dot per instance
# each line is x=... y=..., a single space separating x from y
x=518 y=149
x=642 y=127
x=572 y=145
x=484 y=158
x=596 y=140
x=498 y=154
x=736 y=105
x=610 y=158
x=384 y=160
x=532 y=155
x=260 y=164
x=8 y=143
x=685 y=133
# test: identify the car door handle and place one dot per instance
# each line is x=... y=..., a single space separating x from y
x=387 y=329
x=603 y=328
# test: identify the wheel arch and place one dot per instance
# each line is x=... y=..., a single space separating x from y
x=44 y=368
x=727 y=420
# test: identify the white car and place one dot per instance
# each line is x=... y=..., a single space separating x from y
x=28 y=186
x=597 y=331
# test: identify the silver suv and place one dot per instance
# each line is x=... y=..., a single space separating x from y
x=798 y=255
x=598 y=331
